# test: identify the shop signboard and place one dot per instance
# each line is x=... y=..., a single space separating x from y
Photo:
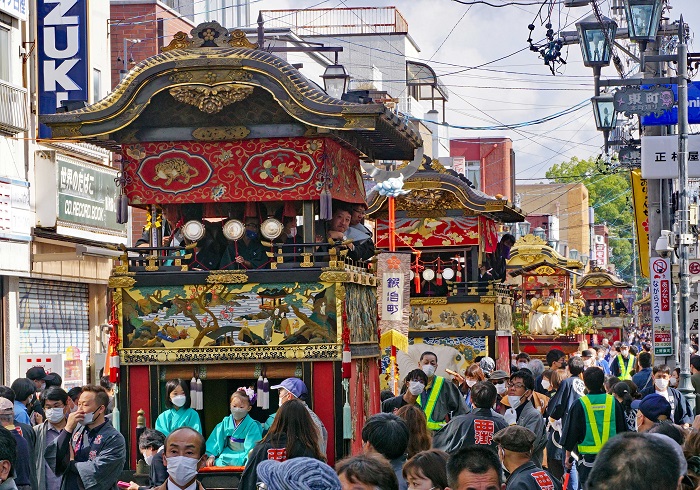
x=87 y=195
x=660 y=269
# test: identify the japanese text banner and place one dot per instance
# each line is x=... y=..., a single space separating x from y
x=641 y=219
x=394 y=298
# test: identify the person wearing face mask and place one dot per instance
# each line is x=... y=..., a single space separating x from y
x=414 y=384
x=681 y=412
x=295 y=389
x=89 y=452
x=588 y=359
x=152 y=446
x=179 y=413
x=623 y=365
x=475 y=428
x=54 y=400
x=25 y=478
x=234 y=437
x=522 y=411
x=499 y=379
x=25 y=394
x=521 y=361
x=592 y=421
x=473 y=375
x=515 y=449
x=440 y=400
x=8 y=458
x=247 y=252
x=183 y=457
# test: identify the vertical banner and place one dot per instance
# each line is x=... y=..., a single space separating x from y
x=661 y=306
x=393 y=269
x=641 y=219
x=62 y=54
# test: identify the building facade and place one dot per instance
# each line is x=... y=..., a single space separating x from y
x=489 y=163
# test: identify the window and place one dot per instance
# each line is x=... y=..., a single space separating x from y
x=473 y=173
x=4 y=54
x=96 y=85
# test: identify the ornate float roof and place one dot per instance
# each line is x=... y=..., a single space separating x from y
x=216 y=86
x=435 y=189
x=598 y=277
x=532 y=250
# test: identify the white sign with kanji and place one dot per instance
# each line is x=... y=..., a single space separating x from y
x=660 y=157
x=392 y=292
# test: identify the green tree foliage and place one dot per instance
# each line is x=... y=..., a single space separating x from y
x=611 y=197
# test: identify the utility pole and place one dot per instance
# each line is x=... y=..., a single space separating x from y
x=686 y=239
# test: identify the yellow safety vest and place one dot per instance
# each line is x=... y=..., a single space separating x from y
x=625 y=371
x=597 y=414
x=432 y=400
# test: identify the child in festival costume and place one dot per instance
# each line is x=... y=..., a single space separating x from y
x=179 y=413
x=234 y=437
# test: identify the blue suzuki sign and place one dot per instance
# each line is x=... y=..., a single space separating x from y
x=671 y=117
x=62 y=50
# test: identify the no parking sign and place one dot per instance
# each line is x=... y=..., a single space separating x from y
x=660 y=269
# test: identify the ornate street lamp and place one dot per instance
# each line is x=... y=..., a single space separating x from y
x=643 y=19
x=604 y=112
x=539 y=232
x=335 y=80
x=523 y=228
x=595 y=37
x=573 y=254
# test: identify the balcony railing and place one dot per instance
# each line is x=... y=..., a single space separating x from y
x=338 y=21
x=13 y=109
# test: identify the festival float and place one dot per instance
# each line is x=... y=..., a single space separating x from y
x=609 y=302
x=215 y=124
x=447 y=228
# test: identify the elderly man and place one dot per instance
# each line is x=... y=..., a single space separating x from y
x=515 y=449
x=8 y=457
x=441 y=400
x=474 y=468
x=88 y=453
x=338 y=231
x=183 y=456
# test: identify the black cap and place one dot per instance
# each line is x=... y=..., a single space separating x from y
x=515 y=438
x=36 y=372
x=53 y=379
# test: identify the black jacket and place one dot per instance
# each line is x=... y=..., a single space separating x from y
x=531 y=477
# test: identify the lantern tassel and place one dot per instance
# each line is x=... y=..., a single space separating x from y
x=347 y=413
x=261 y=394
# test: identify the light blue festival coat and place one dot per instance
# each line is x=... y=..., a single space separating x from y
x=174 y=418
x=230 y=444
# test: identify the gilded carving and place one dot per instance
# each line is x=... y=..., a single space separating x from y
x=66 y=131
x=117 y=297
x=530 y=240
x=227 y=278
x=121 y=282
x=239 y=40
x=488 y=299
x=428 y=301
x=340 y=292
x=544 y=270
x=225 y=133
x=327 y=352
x=334 y=276
x=359 y=122
x=180 y=41
x=437 y=166
x=211 y=99
x=239 y=76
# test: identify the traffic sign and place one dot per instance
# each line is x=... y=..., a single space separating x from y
x=694 y=267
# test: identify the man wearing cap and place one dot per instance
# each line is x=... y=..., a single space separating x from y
x=651 y=410
x=592 y=420
x=295 y=388
x=475 y=428
x=681 y=413
x=623 y=365
x=487 y=365
x=25 y=478
x=441 y=400
x=8 y=458
x=38 y=375
x=515 y=447
x=588 y=359
x=499 y=379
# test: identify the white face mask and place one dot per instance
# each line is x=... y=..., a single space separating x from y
x=674 y=381
x=522 y=365
x=178 y=400
x=471 y=382
x=89 y=418
x=429 y=370
x=74 y=409
x=292 y=233
x=239 y=413
x=149 y=459
x=182 y=469
x=545 y=384
x=661 y=384
x=501 y=388
x=415 y=387
x=514 y=401
x=54 y=415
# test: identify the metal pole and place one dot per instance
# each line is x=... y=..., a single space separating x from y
x=686 y=239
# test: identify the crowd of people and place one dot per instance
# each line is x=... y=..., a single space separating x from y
x=602 y=418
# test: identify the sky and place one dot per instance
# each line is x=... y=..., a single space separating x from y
x=512 y=85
